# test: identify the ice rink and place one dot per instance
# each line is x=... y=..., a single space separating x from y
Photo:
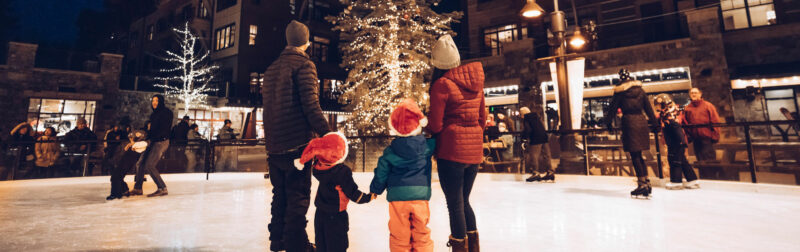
x=230 y=212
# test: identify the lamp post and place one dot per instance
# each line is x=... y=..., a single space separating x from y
x=558 y=26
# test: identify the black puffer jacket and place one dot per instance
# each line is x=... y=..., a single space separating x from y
x=637 y=112
x=533 y=129
x=291 y=102
x=336 y=189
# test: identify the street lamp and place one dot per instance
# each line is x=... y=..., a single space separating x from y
x=558 y=26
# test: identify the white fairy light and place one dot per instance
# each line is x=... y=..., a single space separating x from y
x=190 y=71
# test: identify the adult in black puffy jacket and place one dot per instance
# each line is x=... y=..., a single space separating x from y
x=293 y=117
x=637 y=112
x=538 y=150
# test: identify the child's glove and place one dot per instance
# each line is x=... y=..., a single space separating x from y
x=373 y=196
x=298 y=165
x=140 y=146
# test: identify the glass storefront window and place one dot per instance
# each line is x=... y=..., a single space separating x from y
x=60 y=114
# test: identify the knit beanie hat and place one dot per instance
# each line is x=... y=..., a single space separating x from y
x=329 y=151
x=296 y=34
x=444 y=54
x=407 y=119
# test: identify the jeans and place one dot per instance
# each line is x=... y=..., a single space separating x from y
x=457 y=180
x=148 y=161
x=538 y=153
x=679 y=166
x=330 y=231
x=291 y=195
x=704 y=151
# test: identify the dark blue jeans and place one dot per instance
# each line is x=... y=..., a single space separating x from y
x=457 y=180
x=148 y=161
x=679 y=166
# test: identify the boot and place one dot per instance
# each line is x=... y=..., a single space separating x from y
x=643 y=189
x=472 y=241
x=135 y=192
x=113 y=197
x=159 y=192
x=549 y=177
x=534 y=178
x=458 y=245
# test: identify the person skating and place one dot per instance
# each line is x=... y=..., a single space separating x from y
x=291 y=108
x=457 y=118
x=158 y=138
x=404 y=171
x=129 y=151
x=336 y=189
x=637 y=112
x=674 y=137
x=536 y=146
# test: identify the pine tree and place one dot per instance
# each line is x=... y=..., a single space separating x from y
x=387 y=54
x=191 y=72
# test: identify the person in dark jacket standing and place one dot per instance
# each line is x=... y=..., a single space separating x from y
x=158 y=136
x=679 y=166
x=457 y=118
x=336 y=189
x=80 y=142
x=636 y=113
x=535 y=137
x=291 y=106
x=180 y=131
x=21 y=142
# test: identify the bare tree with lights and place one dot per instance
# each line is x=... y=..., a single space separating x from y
x=192 y=74
x=387 y=53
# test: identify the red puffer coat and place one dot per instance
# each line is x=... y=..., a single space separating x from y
x=457 y=116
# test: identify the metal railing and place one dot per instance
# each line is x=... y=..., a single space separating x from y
x=763 y=152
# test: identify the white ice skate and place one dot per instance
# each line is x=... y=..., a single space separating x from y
x=691 y=185
x=674 y=186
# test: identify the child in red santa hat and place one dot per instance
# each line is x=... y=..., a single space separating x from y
x=404 y=171
x=336 y=189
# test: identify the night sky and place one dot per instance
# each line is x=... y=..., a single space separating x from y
x=49 y=21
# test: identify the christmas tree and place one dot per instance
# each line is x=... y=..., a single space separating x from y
x=191 y=74
x=386 y=49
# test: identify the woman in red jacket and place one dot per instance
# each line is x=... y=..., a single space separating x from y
x=457 y=119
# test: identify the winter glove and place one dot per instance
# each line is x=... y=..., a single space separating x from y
x=140 y=146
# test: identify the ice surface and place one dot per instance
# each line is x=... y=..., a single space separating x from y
x=230 y=212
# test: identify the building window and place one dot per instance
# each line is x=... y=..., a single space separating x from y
x=207 y=121
x=60 y=114
x=493 y=38
x=224 y=4
x=225 y=37
x=202 y=10
x=253 y=33
x=319 y=10
x=741 y=14
x=151 y=30
x=780 y=104
x=256 y=82
x=292 y=7
x=319 y=48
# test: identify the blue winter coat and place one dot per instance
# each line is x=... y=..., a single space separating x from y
x=404 y=170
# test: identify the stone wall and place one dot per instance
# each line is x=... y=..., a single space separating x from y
x=20 y=80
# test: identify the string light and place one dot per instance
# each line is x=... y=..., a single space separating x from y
x=189 y=70
x=387 y=54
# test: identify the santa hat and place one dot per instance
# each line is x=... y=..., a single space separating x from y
x=407 y=119
x=329 y=151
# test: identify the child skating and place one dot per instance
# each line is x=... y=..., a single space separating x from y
x=404 y=171
x=675 y=139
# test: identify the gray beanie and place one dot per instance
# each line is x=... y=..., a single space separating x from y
x=296 y=34
x=444 y=54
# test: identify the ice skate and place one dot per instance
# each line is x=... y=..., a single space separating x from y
x=691 y=185
x=551 y=177
x=534 y=178
x=674 y=186
x=643 y=189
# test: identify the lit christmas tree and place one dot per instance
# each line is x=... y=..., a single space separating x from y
x=387 y=54
x=191 y=74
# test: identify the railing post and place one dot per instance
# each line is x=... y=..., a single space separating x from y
x=658 y=156
x=750 y=158
x=85 y=160
x=17 y=163
x=585 y=153
x=364 y=155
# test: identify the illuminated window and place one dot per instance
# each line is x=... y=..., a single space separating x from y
x=493 y=38
x=225 y=37
x=253 y=33
x=256 y=82
x=319 y=48
x=741 y=14
x=60 y=114
x=150 y=31
x=203 y=10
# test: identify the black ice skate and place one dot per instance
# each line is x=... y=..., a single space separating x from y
x=643 y=189
x=549 y=177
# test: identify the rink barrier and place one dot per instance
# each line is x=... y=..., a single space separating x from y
x=740 y=138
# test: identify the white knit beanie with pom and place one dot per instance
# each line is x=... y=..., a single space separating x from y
x=444 y=54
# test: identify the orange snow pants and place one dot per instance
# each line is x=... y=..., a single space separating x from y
x=408 y=226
